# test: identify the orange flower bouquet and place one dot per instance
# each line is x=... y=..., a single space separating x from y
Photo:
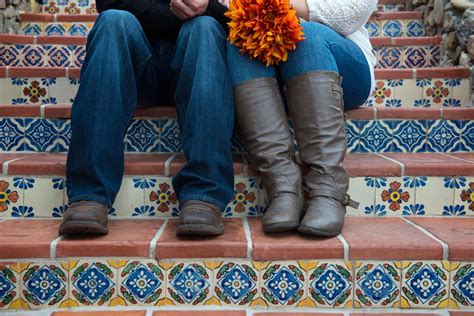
x=265 y=29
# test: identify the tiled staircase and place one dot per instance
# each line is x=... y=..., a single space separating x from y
x=408 y=249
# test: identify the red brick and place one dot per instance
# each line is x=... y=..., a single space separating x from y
x=35 y=72
x=179 y=160
x=62 y=40
x=27 y=239
x=232 y=244
x=76 y=18
x=395 y=314
x=26 y=110
x=156 y=111
x=294 y=314
x=10 y=156
x=126 y=238
x=101 y=313
x=432 y=164
x=57 y=111
x=74 y=73
x=16 y=39
x=465 y=156
x=139 y=164
x=447 y=72
x=458 y=233
x=409 y=113
x=291 y=245
x=199 y=313
x=3 y=71
x=405 y=15
x=453 y=313
x=358 y=165
x=388 y=238
x=387 y=74
x=417 y=41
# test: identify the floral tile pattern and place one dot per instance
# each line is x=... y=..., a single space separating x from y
x=283 y=283
x=377 y=284
x=131 y=197
x=92 y=283
x=9 y=284
x=425 y=284
x=44 y=284
x=35 y=189
x=141 y=283
x=330 y=284
x=433 y=194
x=395 y=196
x=69 y=7
x=462 y=281
x=160 y=197
x=245 y=201
x=400 y=28
x=236 y=283
x=190 y=283
x=364 y=193
x=11 y=196
x=391 y=57
x=55 y=28
x=464 y=196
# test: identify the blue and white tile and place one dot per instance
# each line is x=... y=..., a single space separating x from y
x=12 y=134
x=32 y=55
x=35 y=191
x=130 y=198
x=9 y=90
x=467 y=135
x=141 y=283
x=462 y=282
x=377 y=284
x=408 y=92
x=41 y=135
x=283 y=283
x=464 y=196
x=414 y=28
x=236 y=283
x=92 y=282
x=10 y=55
x=431 y=195
x=409 y=136
x=330 y=284
x=64 y=90
x=425 y=284
x=54 y=29
x=393 y=28
x=58 y=56
x=376 y=136
x=373 y=27
x=362 y=191
x=160 y=198
x=78 y=29
x=78 y=55
x=44 y=284
x=64 y=135
x=462 y=92
x=190 y=283
x=390 y=57
x=31 y=28
x=394 y=195
x=170 y=136
x=143 y=136
x=416 y=57
x=9 y=285
x=444 y=136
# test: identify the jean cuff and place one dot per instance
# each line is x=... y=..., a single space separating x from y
x=91 y=198
x=220 y=205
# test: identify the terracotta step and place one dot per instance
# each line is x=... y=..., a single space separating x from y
x=401 y=251
x=430 y=87
x=69 y=51
x=206 y=312
x=385 y=185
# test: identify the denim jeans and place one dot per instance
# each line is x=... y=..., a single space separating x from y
x=123 y=68
x=322 y=50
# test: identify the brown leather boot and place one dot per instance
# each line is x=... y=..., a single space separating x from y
x=264 y=128
x=316 y=106
x=200 y=218
x=85 y=218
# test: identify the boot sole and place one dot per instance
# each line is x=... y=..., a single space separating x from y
x=83 y=228
x=316 y=232
x=280 y=227
x=200 y=230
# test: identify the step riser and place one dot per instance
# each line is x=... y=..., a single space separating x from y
x=27 y=55
x=306 y=277
x=45 y=197
x=395 y=28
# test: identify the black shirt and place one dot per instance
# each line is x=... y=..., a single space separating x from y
x=156 y=18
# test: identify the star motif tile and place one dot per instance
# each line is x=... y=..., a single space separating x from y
x=462 y=285
x=236 y=283
x=189 y=283
x=283 y=284
x=9 y=284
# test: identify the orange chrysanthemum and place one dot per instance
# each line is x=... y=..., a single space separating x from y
x=265 y=29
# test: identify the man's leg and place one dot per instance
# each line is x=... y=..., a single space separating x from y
x=118 y=56
x=205 y=110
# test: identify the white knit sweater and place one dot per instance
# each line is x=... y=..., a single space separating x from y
x=347 y=17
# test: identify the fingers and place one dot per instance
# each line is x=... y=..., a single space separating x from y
x=181 y=10
x=199 y=6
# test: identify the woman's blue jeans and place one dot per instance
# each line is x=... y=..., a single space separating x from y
x=123 y=68
x=322 y=50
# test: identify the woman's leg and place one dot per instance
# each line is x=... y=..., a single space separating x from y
x=315 y=99
x=264 y=128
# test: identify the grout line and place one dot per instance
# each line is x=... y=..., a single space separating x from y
x=441 y=114
x=67 y=72
x=7 y=72
x=35 y=40
x=345 y=245
x=149 y=312
x=402 y=165
x=248 y=236
x=457 y=158
x=55 y=18
x=245 y=166
x=53 y=247
x=168 y=163
x=415 y=73
x=7 y=163
x=157 y=236
x=42 y=110
x=441 y=242
x=376 y=113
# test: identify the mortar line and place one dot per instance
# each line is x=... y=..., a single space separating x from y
x=424 y=230
x=346 y=246
x=6 y=164
x=168 y=163
x=53 y=247
x=248 y=236
x=401 y=164
x=155 y=238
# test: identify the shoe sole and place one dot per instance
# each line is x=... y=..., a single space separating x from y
x=280 y=227
x=83 y=228
x=316 y=232
x=200 y=230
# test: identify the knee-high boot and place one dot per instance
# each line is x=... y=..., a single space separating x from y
x=264 y=128
x=316 y=107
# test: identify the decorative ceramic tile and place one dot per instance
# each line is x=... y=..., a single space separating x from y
x=44 y=285
x=35 y=190
x=78 y=55
x=245 y=200
x=425 y=284
x=409 y=136
x=377 y=284
x=63 y=90
x=462 y=91
x=330 y=284
x=92 y=283
x=462 y=281
x=467 y=136
x=444 y=136
x=140 y=283
x=160 y=198
x=170 y=136
x=408 y=92
x=9 y=90
x=376 y=136
x=416 y=57
x=414 y=28
x=58 y=56
x=431 y=196
x=395 y=195
x=390 y=57
x=11 y=196
x=10 y=55
x=9 y=285
x=32 y=55
x=34 y=90
x=391 y=7
x=12 y=133
x=190 y=283
x=64 y=135
x=79 y=29
x=464 y=196
x=382 y=93
x=143 y=136
x=434 y=55
x=236 y=283
x=31 y=28
x=54 y=29
x=283 y=283
x=362 y=192
x=40 y=135
x=353 y=128
x=373 y=27
x=131 y=197
x=437 y=91
x=392 y=28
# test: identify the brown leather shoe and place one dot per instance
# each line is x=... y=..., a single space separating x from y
x=200 y=218
x=85 y=218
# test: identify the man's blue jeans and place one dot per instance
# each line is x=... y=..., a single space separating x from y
x=123 y=68
x=322 y=50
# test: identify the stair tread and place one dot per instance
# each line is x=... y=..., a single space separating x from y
x=367 y=238
x=365 y=164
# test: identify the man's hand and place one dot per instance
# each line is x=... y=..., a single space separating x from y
x=187 y=9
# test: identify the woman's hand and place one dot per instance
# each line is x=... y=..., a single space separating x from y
x=225 y=3
x=187 y=9
x=301 y=8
